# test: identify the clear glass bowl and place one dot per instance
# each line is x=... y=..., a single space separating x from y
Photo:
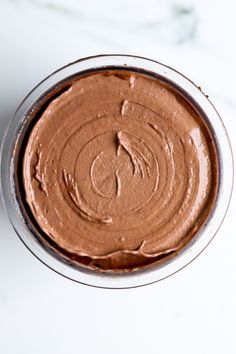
x=192 y=249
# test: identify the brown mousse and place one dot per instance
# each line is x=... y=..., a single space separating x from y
x=120 y=170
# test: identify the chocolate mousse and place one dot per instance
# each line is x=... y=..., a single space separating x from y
x=120 y=171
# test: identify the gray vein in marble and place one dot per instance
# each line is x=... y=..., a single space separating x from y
x=181 y=22
x=188 y=20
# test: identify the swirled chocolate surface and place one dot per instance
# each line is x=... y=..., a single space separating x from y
x=120 y=171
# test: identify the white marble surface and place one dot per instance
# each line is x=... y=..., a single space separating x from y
x=190 y=313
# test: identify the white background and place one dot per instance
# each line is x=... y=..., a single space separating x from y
x=193 y=311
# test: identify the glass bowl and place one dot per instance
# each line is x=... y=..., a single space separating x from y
x=192 y=93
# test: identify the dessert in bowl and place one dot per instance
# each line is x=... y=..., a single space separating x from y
x=117 y=170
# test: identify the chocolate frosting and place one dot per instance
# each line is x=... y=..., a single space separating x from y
x=120 y=170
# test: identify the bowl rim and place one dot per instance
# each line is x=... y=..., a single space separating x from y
x=194 y=248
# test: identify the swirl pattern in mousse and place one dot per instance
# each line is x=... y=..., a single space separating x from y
x=119 y=171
